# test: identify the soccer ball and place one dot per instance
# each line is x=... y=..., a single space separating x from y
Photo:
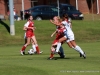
x=31 y=51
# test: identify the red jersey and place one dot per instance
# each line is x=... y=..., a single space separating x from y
x=60 y=33
x=29 y=32
x=29 y=24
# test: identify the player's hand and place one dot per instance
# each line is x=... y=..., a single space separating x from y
x=52 y=35
x=51 y=20
x=34 y=28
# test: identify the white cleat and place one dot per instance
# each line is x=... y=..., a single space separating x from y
x=21 y=52
x=41 y=52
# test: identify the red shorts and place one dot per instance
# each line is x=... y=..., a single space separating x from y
x=55 y=42
x=29 y=34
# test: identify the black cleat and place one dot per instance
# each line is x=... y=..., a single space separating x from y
x=63 y=56
x=84 y=55
x=24 y=52
x=81 y=55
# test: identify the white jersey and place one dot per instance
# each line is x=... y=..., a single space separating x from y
x=67 y=26
x=26 y=24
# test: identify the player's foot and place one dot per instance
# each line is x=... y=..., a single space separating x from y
x=40 y=52
x=63 y=56
x=84 y=55
x=50 y=58
x=81 y=55
x=22 y=52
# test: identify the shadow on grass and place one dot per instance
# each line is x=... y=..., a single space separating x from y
x=60 y=58
x=6 y=26
x=56 y=58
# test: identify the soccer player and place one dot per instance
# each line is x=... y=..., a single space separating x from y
x=29 y=27
x=59 y=34
x=69 y=36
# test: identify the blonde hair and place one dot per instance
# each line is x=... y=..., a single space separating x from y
x=58 y=18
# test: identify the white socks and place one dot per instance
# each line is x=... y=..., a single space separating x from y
x=34 y=48
x=77 y=48
x=58 y=47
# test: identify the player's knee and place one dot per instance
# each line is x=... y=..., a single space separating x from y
x=28 y=43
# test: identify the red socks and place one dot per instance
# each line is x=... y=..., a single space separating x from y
x=23 y=48
x=51 y=55
x=37 y=49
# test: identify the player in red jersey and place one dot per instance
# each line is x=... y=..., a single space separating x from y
x=59 y=34
x=29 y=27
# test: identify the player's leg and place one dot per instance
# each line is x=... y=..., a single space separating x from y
x=59 y=43
x=24 y=47
x=36 y=45
x=78 y=48
x=33 y=46
x=61 y=52
x=52 y=52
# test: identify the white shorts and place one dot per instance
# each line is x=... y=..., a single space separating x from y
x=70 y=38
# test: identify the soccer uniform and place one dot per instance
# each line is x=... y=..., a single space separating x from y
x=69 y=33
x=29 y=32
x=60 y=34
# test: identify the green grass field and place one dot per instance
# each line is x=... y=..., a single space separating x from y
x=87 y=35
x=12 y=63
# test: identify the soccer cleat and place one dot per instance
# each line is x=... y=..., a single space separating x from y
x=81 y=55
x=84 y=55
x=21 y=52
x=50 y=58
x=63 y=56
x=40 y=52
x=24 y=52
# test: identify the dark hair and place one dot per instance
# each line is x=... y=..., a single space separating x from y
x=65 y=15
x=29 y=16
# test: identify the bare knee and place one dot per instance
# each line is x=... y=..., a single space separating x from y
x=27 y=43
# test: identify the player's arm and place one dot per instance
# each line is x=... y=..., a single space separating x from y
x=53 y=33
x=34 y=28
x=70 y=25
x=26 y=26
